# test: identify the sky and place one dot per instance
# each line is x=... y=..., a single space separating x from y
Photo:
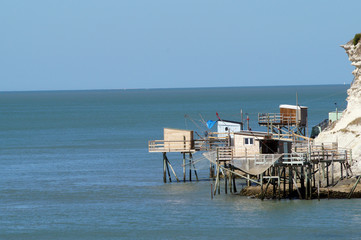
x=118 y=44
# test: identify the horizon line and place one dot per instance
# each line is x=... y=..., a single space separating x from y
x=165 y=88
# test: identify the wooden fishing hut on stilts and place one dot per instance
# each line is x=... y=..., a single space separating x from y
x=175 y=140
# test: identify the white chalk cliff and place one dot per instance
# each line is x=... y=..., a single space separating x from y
x=347 y=130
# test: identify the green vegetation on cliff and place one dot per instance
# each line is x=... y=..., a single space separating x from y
x=356 y=39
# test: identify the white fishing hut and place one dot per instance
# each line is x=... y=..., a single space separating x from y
x=224 y=127
x=252 y=143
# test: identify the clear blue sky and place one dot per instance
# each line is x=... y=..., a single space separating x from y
x=85 y=44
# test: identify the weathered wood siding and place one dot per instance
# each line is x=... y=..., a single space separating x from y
x=242 y=149
x=178 y=139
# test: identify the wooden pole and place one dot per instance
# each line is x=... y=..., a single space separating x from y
x=230 y=179
x=225 y=178
x=170 y=165
x=194 y=166
x=234 y=181
x=310 y=182
x=306 y=176
x=190 y=168
x=319 y=180
x=261 y=184
x=279 y=183
x=290 y=187
x=166 y=163
x=184 y=167
x=217 y=178
x=313 y=175
x=164 y=169
x=218 y=172
x=265 y=191
x=302 y=180
x=295 y=183
x=273 y=183
x=332 y=169
x=341 y=170
x=354 y=187
x=327 y=180
x=284 y=182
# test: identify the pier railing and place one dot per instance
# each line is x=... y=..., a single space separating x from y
x=276 y=119
x=171 y=146
x=187 y=145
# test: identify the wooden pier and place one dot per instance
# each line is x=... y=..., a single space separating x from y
x=279 y=164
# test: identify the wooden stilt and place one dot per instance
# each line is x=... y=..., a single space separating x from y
x=327 y=179
x=171 y=168
x=346 y=170
x=211 y=171
x=279 y=183
x=217 y=179
x=306 y=178
x=218 y=186
x=234 y=181
x=262 y=184
x=332 y=170
x=273 y=183
x=319 y=181
x=284 y=182
x=302 y=180
x=190 y=170
x=341 y=170
x=166 y=163
x=194 y=166
x=230 y=179
x=225 y=178
x=354 y=187
x=265 y=191
x=290 y=187
x=164 y=169
x=309 y=182
x=184 y=167
x=313 y=175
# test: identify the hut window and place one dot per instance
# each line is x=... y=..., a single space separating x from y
x=248 y=141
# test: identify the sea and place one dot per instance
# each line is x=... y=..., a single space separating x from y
x=75 y=165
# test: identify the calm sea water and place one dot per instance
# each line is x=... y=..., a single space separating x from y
x=75 y=165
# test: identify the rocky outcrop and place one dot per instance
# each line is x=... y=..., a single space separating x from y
x=347 y=130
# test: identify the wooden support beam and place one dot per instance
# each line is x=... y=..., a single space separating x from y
x=332 y=170
x=273 y=183
x=164 y=169
x=354 y=187
x=230 y=174
x=166 y=163
x=216 y=185
x=234 y=181
x=184 y=167
x=190 y=170
x=341 y=170
x=225 y=178
x=306 y=178
x=170 y=165
x=284 y=182
x=290 y=187
x=265 y=191
x=194 y=166
x=279 y=183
